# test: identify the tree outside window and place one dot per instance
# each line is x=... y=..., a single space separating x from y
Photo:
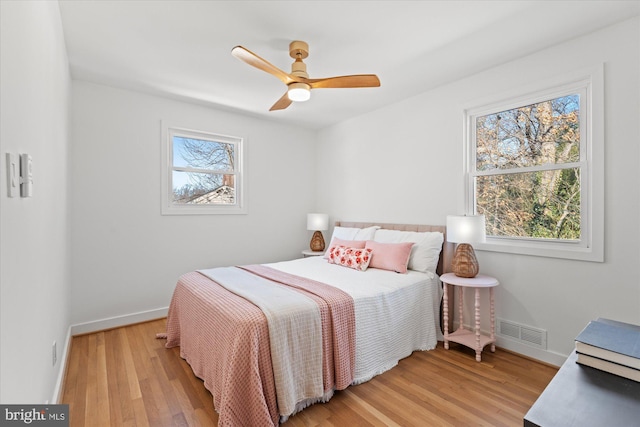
x=528 y=169
x=203 y=173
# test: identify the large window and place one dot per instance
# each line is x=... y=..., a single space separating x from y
x=202 y=173
x=533 y=173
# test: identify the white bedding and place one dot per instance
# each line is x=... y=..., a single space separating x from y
x=396 y=314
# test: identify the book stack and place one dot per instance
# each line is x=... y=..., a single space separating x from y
x=610 y=346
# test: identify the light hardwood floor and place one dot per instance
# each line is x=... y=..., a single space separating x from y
x=125 y=377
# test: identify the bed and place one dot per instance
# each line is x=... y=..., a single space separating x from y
x=270 y=339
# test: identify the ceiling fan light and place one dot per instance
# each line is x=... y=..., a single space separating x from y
x=299 y=92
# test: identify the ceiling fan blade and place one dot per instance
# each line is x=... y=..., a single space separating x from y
x=251 y=58
x=358 y=80
x=281 y=103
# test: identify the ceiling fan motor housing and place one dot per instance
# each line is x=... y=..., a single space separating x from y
x=299 y=50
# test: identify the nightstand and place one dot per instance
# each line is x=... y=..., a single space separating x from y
x=473 y=339
x=309 y=252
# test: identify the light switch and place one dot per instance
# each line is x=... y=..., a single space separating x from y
x=26 y=173
x=13 y=175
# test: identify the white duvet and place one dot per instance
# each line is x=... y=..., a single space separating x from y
x=396 y=314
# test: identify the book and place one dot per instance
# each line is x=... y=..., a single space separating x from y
x=611 y=341
x=612 y=368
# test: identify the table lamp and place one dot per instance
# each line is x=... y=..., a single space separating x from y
x=465 y=230
x=317 y=222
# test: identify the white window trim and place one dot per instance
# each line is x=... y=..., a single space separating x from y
x=589 y=83
x=168 y=207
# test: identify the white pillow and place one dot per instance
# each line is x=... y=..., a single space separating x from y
x=424 y=253
x=350 y=233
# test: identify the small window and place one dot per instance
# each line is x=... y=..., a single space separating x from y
x=202 y=173
x=533 y=173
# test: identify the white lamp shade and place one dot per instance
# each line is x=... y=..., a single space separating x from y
x=466 y=229
x=317 y=221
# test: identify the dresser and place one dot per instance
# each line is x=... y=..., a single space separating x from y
x=581 y=396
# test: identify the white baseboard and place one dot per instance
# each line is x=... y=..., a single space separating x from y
x=62 y=369
x=117 y=321
x=546 y=356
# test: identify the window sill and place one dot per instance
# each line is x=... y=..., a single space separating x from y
x=204 y=210
x=572 y=251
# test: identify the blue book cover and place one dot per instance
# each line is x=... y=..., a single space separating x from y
x=612 y=336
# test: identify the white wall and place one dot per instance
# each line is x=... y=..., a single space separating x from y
x=34 y=248
x=126 y=256
x=411 y=153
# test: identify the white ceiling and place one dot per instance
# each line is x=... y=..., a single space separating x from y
x=182 y=49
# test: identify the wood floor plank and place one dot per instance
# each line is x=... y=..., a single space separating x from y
x=151 y=406
x=126 y=377
x=102 y=379
x=91 y=372
x=129 y=366
x=120 y=411
x=140 y=413
x=371 y=414
x=170 y=399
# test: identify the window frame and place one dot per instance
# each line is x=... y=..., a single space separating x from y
x=589 y=84
x=171 y=208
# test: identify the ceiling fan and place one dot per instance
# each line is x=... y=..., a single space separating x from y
x=298 y=83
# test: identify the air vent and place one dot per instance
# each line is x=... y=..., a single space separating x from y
x=523 y=333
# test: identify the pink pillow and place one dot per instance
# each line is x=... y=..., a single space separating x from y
x=355 y=258
x=390 y=256
x=335 y=242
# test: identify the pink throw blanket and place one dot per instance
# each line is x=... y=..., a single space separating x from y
x=225 y=339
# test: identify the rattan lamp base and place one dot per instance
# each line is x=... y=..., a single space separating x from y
x=465 y=263
x=317 y=242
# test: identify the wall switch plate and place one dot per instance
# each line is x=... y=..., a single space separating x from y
x=13 y=175
x=54 y=353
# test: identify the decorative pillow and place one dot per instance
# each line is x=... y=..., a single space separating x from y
x=356 y=258
x=390 y=256
x=424 y=254
x=358 y=244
